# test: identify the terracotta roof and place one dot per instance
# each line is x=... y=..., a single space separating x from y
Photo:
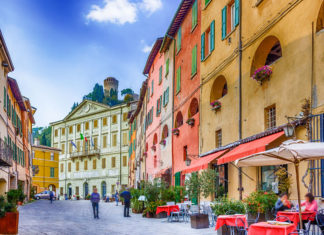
x=46 y=147
x=17 y=94
x=153 y=53
x=30 y=112
x=3 y=44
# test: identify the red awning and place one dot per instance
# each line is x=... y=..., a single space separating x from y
x=202 y=163
x=249 y=148
x=162 y=172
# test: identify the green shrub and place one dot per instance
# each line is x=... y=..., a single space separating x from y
x=260 y=201
x=15 y=195
x=224 y=205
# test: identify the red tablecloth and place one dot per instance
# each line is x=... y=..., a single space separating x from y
x=230 y=220
x=294 y=216
x=263 y=228
x=167 y=209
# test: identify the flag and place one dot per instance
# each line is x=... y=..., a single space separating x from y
x=92 y=141
x=85 y=138
x=81 y=136
x=73 y=144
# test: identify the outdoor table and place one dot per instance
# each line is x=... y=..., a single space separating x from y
x=263 y=228
x=230 y=220
x=294 y=216
x=168 y=209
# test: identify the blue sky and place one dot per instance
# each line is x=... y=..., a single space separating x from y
x=61 y=48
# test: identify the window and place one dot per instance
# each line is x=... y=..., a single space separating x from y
x=218 y=138
x=113 y=162
x=179 y=40
x=270 y=117
x=208 y=41
x=179 y=120
x=125 y=140
x=103 y=163
x=94 y=164
x=104 y=121
x=206 y=2
x=193 y=108
x=70 y=147
x=63 y=148
x=85 y=165
x=63 y=131
x=194 y=15
x=77 y=166
x=114 y=140
x=56 y=133
x=5 y=98
x=166 y=97
x=124 y=161
x=87 y=126
x=194 y=61
x=52 y=156
x=269 y=180
x=112 y=188
x=152 y=87
x=219 y=89
x=167 y=67
x=52 y=172
x=158 y=105
x=61 y=190
x=62 y=167
x=78 y=128
x=104 y=141
x=160 y=74
x=221 y=180
x=114 y=119
x=178 y=80
x=125 y=117
x=95 y=142
x=320 y=19
x=165 y=132
x=69 y=167
x=95 y=124
x=185 y=152
x=230 y=17
x=70 y=129
x=78 y=145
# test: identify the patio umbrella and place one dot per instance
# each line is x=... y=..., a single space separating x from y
x=290 y=151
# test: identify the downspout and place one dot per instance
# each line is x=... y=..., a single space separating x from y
x=147 y=77
x=120 y=146
x=240 y=92
x=173 y=77
x=312 y=73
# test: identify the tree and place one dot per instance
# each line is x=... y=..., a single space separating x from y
x=43 y=134
x=127 y=91
x=75 y=104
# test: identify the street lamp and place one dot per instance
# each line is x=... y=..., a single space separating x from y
x=289 y=128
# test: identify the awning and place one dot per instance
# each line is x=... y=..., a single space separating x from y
x=162 y=172
x=202 y=163
x=249 y=148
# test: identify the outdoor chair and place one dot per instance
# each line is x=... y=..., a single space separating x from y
x=253 y=221
x=211 y=215
x=305 y=231
x=320 y=219
x=240 y=227
x=273 y=213
x=175 y=214
x=194 y=209
x=282 y=218
x=170 y=203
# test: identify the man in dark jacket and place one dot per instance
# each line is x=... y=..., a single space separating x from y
x=127 y=197
x=51 y=195
x=95 y=198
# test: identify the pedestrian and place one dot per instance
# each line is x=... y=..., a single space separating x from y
x=127 y=197
x=51 y=195
x=95 y=198
x=116 y=197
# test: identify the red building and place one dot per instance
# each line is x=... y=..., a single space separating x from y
x=185 y=32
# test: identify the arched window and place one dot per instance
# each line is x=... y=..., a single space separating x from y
x=219 y=88
x=320 y=19
x=179 y=120
x=165 y=132
x=85 y=189
x=155 y=139
x=193 y=108
x=267 y=53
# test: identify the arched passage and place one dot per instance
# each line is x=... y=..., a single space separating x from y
x=193 y=108
x=179 y=120
x=219 y=88
x=320 y=19
x=85 y=189
x=267 y=53
x=155 y=139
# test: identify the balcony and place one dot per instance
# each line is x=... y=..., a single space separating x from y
x=6 y=155
x=85 y=153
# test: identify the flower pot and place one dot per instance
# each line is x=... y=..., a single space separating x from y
x=199 y=221
x=191 y=121
x=9 y=223
x=20 y=203
x=216 y=107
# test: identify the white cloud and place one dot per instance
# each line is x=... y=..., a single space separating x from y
x=114 y=11
x=147 y=48
x=150 y=6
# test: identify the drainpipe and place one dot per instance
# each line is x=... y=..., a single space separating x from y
x=312 y=72
x=147 y=77
x=120 y=146
x=173 y=77
x=240 y=92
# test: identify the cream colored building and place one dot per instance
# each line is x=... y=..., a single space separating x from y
x=102 y=160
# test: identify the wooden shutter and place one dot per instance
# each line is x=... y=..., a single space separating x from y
x=167 y=67
x=4 y=98
x=167 y=96
x=202 y=47
x=224 y=22
x=237 y=12
x=212 y=35
x=177 y=180
x=194 y=60
x=160 y=74
x=178 y=79
x=194 y=15
x=160 y=103
x=152 y=87
x=179 y=39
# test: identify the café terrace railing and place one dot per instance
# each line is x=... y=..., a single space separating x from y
x=6 y=155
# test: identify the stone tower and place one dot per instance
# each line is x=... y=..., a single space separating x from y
x=111 y=87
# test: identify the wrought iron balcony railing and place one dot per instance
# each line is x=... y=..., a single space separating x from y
x=6 y=154
x=85 y=153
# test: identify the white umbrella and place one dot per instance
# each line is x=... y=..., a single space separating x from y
x=291 y=151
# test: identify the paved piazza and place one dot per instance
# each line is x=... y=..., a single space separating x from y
x=75 y=217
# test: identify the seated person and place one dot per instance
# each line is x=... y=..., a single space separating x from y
x=282 y=203
x=310 y=203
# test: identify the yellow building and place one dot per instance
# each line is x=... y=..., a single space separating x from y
x=287 y=36
x=45 y=168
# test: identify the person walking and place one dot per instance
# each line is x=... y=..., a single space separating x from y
x=95 y=198
x=127 y=197
x=116 y=197
x=51 y=195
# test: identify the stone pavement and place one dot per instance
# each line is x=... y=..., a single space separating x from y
x=75 y=218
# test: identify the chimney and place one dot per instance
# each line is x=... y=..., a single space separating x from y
x=36 y=141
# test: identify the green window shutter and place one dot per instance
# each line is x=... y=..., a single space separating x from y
x=202 y=50
x=178 y=80
x=7 y=103
x=179 y=39
x=206 y=2
x=177 y=180
x=157 y=107
x=194 y=60
x=224 y=22
x=152 y=87
x=167 y=96
x=160 y=104
x=160 y=74
x=167 y=67
x=164 y=98
x=194 y=15
x=212 y=35
x=237 y=12
x=4 y=98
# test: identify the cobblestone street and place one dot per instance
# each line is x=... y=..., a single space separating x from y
x=75 y=217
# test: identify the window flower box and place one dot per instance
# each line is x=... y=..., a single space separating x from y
x=191 y=121
x=176 y=131
x=145 y=154
x=216 y=105
x=163 y=142
x=141 y=159
x=153 y=147
x=262 y=74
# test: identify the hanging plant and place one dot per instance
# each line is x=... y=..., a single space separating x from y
x=191 y=121
x=216 y=105
x=163 y=142
x=153 y=148
x=176 y=131
x=262 y=73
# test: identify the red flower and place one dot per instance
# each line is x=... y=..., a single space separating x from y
x=265 y=193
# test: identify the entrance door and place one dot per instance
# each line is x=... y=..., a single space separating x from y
x=70 y=191
x=86 y=190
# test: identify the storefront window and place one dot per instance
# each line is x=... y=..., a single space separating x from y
x=221 y=181
x=269 y=181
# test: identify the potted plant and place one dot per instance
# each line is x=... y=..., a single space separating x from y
x=153 y=147
x=262 y=73
x=78 y=197
x=176 y=131
x=9 y=216
x=191 y=121
x=88 y=197
x=201 y=183
x=216 y=105
x=163 y=142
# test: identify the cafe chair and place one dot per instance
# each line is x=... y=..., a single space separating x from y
x=175 y=214
x=320 y=219
x=282 y=218
x=253 y=221
x=240 y=226
x=298 y=232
